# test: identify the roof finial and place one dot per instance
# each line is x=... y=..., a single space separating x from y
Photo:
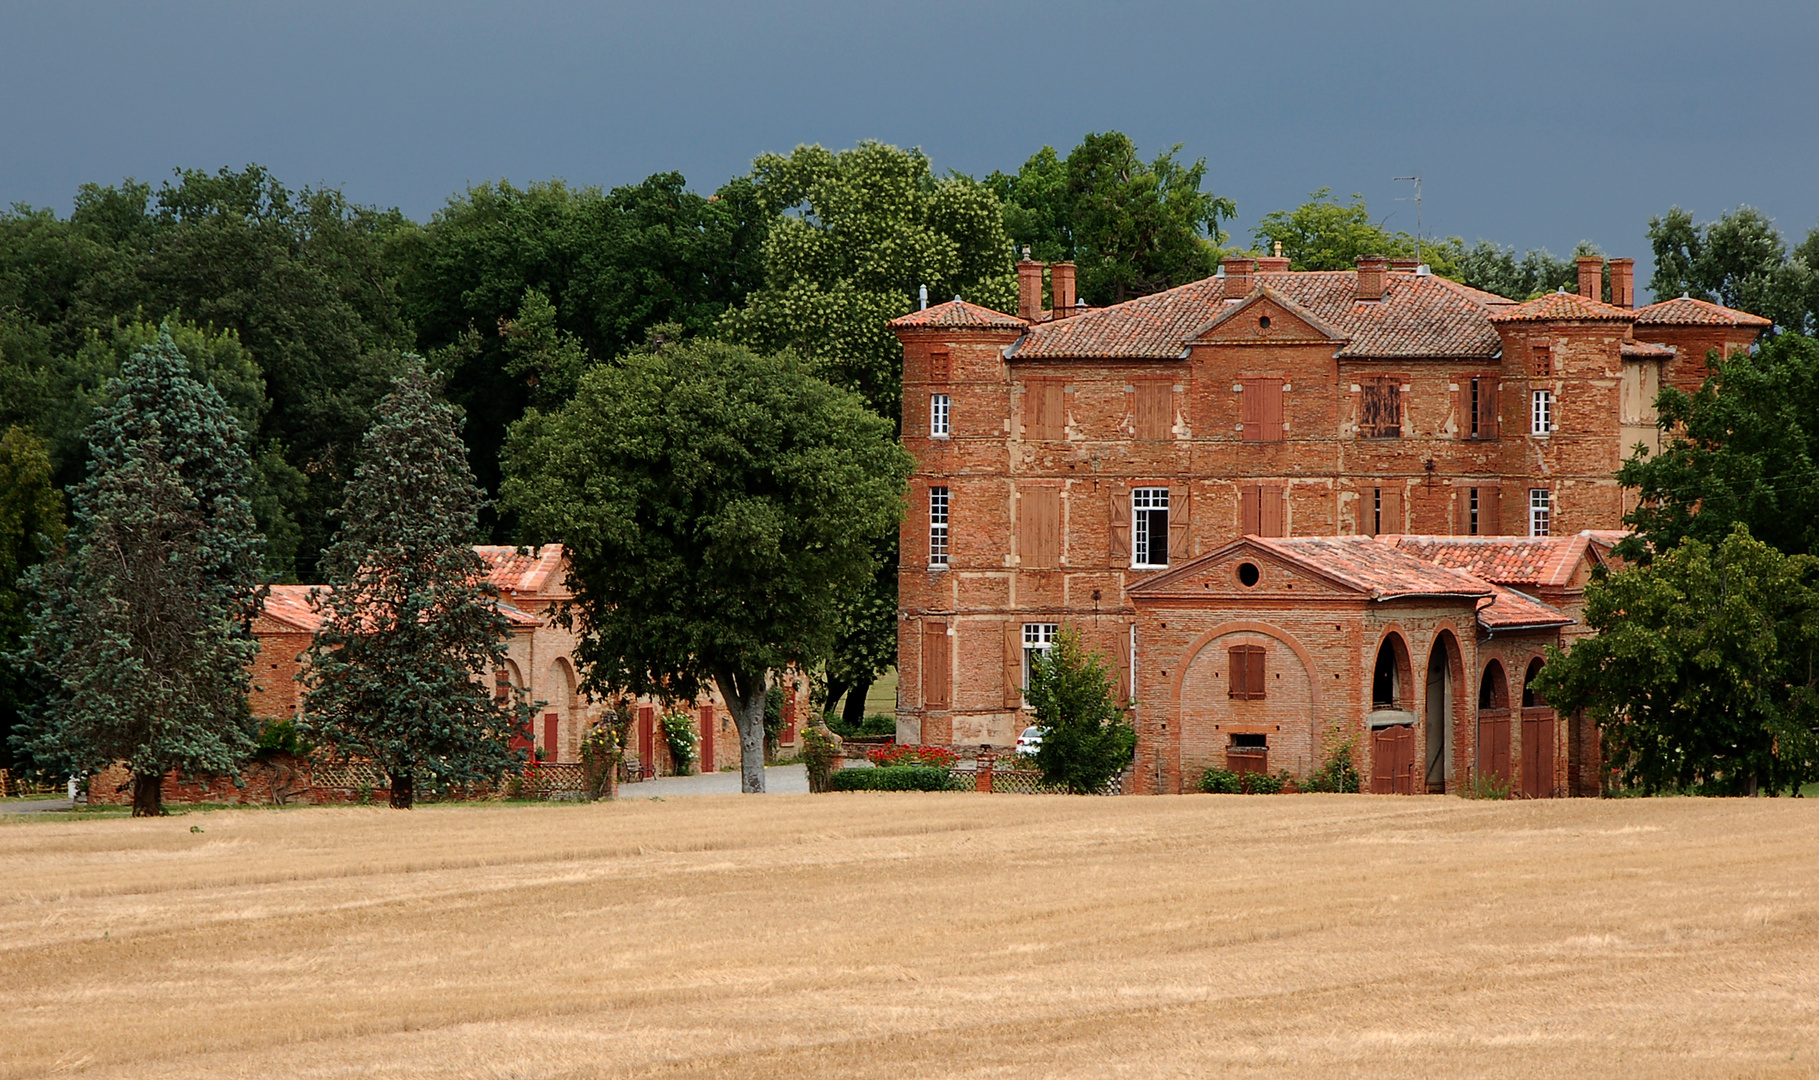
x=922 y=295
x=1278 y=249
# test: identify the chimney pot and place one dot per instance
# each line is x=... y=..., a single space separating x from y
x=1239 y=277
x=1623 y=282
x=1372 y=270
x=1029 y=288
x=1591 y=276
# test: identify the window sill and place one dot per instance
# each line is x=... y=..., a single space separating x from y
x=937 y=566
x=1149 y=566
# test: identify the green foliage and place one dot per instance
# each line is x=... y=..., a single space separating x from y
x=1339 y=772
x=896 y=778
x=1704 y=671
x=603 y=748
x=872 y=726
x=1326 y=234
x=1132 y=227
x=820 y=752
x=718 y=505
x=412 y=625
x=1086 y=739
x=1225 y=782
x=1744 y=449
x=282 y=737
x=859 y=232
x=1489 y=786
x=516 y=291
x=1496 y=269
x=139 y=626
x=680 y=734
x=31 y=527
x=1740 y=261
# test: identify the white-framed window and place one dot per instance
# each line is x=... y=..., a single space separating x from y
x=1541 y=412
x=1540 y=511
x=939 y=407
x=1038 y=639
x=1149 y=526
x=937 y=526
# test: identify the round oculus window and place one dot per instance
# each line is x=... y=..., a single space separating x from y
x=1248 y=574
x=1263 y=321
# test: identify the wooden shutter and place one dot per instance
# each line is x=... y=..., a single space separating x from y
x=1490 y=511
x=1039 y=527
x=1013 y=665
x=1253 y=661
x=1260 y=410
x=1120 y=531
x=1155 y=410
x=1179 y=516
x=940 y=364
x=1123 y=649
x=1392 y=522
x=1380 y=408
x=707 y=764
x=1462 y=510
x=1250 y=410
x=1489 y=406
x=1246 y=672
x=1462 y=397
x=935 y=679
x=1042 y=409
x=1274 y=515
x=1250 y=510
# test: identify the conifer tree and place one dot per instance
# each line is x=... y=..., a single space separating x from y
x=140 y=628
x=412 y=630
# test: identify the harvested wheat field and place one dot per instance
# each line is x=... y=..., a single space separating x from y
x=912 y=935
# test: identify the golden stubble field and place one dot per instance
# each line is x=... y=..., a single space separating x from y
x=899 y=936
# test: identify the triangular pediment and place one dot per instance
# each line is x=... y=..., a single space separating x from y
x=1266 y=317
x=1221 y=575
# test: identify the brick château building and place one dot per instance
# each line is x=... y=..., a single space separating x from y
x=1102 y=468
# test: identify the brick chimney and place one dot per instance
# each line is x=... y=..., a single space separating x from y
x=1623 y=282
x=1029 y=287
x=1372 y=270
x=1591 y=277
x=1404 y=266
x=1239 y=277
x=1061 y=283
x=1273 y=264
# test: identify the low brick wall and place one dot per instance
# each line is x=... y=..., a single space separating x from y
x=285 y=780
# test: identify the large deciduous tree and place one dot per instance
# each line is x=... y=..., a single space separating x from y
x=1133 y=227
x=1326 y=234
x=401 y=672
x=31 y=526
x=140 y=628
x=1740 y=261
x=718 y=506
x=1704 y=672
x=1745 y=448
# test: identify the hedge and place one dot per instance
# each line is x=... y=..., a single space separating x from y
x=895 y=778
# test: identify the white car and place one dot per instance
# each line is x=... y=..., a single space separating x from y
x=1030 y=741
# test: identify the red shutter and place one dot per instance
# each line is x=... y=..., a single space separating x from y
x=1250 y=510
x=935 y=679
x=708 y=764
x=1462 y=396
x=1490 y=511
x=1253 y=661
x=1490 y=393
x=1123 y=648
x=1392 y=522
x=647 y=739
x=1155 y=410
x=1013 y=665
x=1250 y=410
x=1462 y=510
x=1179 y=515
x=1270 y=390
x=1043 y=403
x=1120 y=531
x=1039 y=527
x=552 y=733
x=1274 y=506
x=1239 y=684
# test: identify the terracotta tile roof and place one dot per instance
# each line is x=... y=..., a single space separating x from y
x=516 y=570
x=1377 y=568
x=1642 y=349
x=958 y=314
x=1507 y=609
x=1562 y=306
x=290 y=604
x=1505 y=560
x=1419 y=315
x=1685 y=311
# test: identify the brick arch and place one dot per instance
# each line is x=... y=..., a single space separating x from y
x=1405 y=667
x=1197 y=653
x=1199 y=644
x=1459 y=701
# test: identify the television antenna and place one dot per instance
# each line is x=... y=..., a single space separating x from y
x=1417 y=201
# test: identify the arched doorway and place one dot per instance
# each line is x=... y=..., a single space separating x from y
x=1392 y=722
x=1442 y=659
x=559 y=715
x=1536 y=775
x=1494 y=726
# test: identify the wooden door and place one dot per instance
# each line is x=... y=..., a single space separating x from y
x=1393 y=760
x=1538 y=753
x=552 y=732
x=647 y=739
x=1494 y=745
x=1248 y=759
x=707 y=739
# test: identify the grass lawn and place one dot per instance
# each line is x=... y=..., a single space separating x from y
x=908 y=935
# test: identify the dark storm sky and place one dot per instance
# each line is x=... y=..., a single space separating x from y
x=1533 y=123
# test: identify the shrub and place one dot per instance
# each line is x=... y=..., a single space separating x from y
x=939 y=757
x=1086 y=739
x=679 y=731
x=1220 y=782
x=894 y=778
x=1227 y=782
x=1263 y=783
x=282 y=737
x=1488 y=786
x=1338 y=773
x=819 y=749
x=873 y=726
